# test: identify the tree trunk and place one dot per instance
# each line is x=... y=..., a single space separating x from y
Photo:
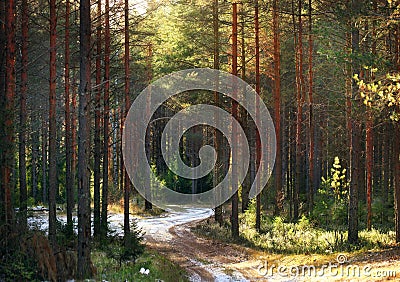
x=127 y=105
x=69 y=181
x=396 y=166
x=299 y=113
x=3 y=55
x=217 y=134
x=277 y=108
x=147 y=201
x=35 y=142
x=23 y=116
x=44 y=160
x=258 y=140
x=97 y=141
x=311 y=166
x=355 y=148
x=369 y=160
x=7 y=127
x=84 y=231
x=52 y=125
x=235 y=197
x=106 y=119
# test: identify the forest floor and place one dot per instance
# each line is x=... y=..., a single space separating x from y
x=254 y=265
x=211 y=260
x=207 y=259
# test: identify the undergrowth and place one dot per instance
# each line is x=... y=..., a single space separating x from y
x=160 y=269
x=303 y=237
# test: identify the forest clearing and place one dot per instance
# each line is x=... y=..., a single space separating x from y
x=198 y=140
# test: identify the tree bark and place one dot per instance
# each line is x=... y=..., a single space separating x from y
x=258 y=90
x=277 y=108
x=97 y=141
x=52 y=125
x=396 y=166
x=7 y=127
x=3 y=55
x=355 y=148
x=106 y=118
x=217 y=135
x=127 y=105
x=84 y=231
x=69 y=181
x=311 y=167
x=23 y=116
x=235 y=197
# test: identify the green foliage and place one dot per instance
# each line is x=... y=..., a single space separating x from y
x=160 y=268
x=331 y=201
x=303 y=237
x=381 y=94
x=124 y=249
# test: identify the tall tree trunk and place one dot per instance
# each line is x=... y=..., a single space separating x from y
x=84 y=270
x=35 y=142
x=311 y=163
x=217 y=134
x=23 y=116
x=69 y=181
x=106 y=118
x=396 y=151
x=355 y=149
x=74 y=145
x=277 y=108
x=235 y=197
x=396 y=166
x=147 y=201
x=299 y=113
x=97 y=141
x=369 y=160
x=52 y=124
x=258 y=90
x=44 y=160
x=3 y=39
x=7 y=127
x=246 y=184
x=127 y=105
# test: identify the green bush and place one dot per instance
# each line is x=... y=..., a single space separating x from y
x=331 y=201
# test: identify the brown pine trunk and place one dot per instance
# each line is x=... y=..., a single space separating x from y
x=69 y=181
x=258 y=90
x=277 y=108
x=23 y=116
x=127 y=105
x=44 y=160
x=355 y=149
x=217 y=134
x=52 y=125
x=106 y=118
x=396 y=166
x=74 y=145
x=311 y=168
x=369 y=160
x=35 y=142
x=299 y=113
x=84 y=232
x=396 y=152
x=235 y=197
x=7 y=128
x=3 y=39
x=147 y=201
x=97 y=141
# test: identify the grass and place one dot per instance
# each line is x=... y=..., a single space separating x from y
x=304 y=237
x=160 y=268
